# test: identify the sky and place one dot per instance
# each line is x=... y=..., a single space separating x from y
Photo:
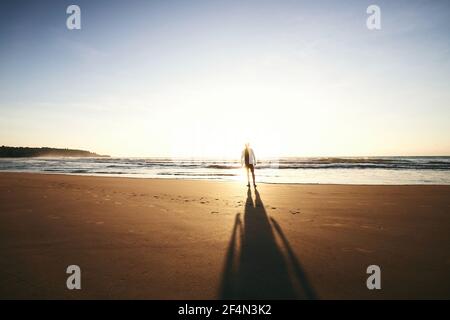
x=201 y=78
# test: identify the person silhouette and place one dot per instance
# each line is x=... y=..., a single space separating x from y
x=249 y=160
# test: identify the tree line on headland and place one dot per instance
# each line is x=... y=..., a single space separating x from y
x=25 y=152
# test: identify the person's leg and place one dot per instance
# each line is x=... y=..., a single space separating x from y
x=248 y=175
x=253 y=175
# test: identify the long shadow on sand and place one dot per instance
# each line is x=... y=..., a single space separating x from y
x=255 y=266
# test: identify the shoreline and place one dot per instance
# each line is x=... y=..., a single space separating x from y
x=213 y=180
x=189 y=239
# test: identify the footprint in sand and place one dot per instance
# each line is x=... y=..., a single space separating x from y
x=362 y=250
x=212 y=212
x=333 y=224
x=371 y=227
x=294 y=211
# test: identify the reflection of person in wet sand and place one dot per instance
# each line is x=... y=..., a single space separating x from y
x=256 y=267
x=249 y=160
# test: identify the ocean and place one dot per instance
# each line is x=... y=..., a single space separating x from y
x=320 y=170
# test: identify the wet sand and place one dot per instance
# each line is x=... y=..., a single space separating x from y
x=180 y=239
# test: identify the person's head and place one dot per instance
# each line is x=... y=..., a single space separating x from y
x=247 y=145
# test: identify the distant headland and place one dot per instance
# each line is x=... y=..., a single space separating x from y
x=26 y=152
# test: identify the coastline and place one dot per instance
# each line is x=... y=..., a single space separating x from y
x=165 y=238
x=297 y=170
x=174 y=178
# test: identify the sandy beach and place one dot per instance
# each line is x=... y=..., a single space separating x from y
x=182 y=239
